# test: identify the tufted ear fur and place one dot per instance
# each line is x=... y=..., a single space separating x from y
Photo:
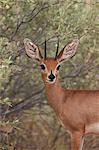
x=32 y=50
x=68 y=51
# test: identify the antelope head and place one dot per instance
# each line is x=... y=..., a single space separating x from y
x=50 y=66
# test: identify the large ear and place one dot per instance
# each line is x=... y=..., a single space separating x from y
x=68 y=51
x=32 y=50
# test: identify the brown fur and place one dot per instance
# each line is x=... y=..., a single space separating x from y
x=77 y=110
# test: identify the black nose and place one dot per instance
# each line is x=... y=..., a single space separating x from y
x=51 y=76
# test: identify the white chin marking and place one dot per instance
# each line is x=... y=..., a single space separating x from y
x=50 y=82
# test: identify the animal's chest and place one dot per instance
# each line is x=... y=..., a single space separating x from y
x=71 y=121
x=68 y=124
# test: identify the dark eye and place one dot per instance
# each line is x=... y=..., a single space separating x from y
x=58 y=67
x=42 y=67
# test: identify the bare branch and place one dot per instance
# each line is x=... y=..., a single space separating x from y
x=25 y=104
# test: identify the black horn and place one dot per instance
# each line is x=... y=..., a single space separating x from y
x=45 y=54
x=57 y=49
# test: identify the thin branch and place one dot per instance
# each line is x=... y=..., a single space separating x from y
x=22 y=22
x=55 y=137
x=25 y=104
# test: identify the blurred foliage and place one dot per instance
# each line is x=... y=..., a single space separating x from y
x=21 y=87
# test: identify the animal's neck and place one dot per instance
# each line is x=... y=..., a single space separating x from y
x=55 y=94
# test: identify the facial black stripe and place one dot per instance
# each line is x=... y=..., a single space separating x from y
x=51 y=72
